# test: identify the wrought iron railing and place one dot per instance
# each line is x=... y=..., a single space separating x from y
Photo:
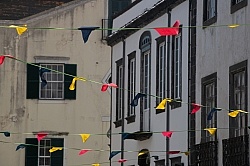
x=236 y=151
x=206 y=154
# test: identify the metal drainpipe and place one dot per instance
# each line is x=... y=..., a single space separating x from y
x=168 y=86
x=123 y=95
x=110 y=123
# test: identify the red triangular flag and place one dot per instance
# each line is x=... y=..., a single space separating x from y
x=167 y=133
x=173 y=152
x=104 y=87
x=122 y=160
x=40 y=136
x=83 y=151
x=2 y=59
x=196 y=108
x=169 y=30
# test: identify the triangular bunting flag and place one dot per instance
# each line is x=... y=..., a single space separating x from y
x=83 y=151
x=84 y=137
x=20 y=29
x=105 y=86
x=173 y=152
x=211 y=130
x=95 y=164
x=233 y=114
x=41 y=73
x=169 y=30
x=135 y=100
x=21 y=146
x=162 y=105
x=211 y=113
x=40 y=136
x=167 y=133
x=72 y=85
x=113 y=153
x=196 y=107
x=122 y=160
x=86 y=31
x=53 y=149
x=125 y=135
x=2 y=59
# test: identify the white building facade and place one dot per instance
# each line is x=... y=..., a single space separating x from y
x=222 y=72
x=145 y=62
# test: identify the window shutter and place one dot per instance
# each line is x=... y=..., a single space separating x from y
x=119 y=5
x=32 y=89
x=69 y=69
x=31 y=152
x=57 y=156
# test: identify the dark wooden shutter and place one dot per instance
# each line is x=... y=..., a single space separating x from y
x=69 y=69
x=119 y=5
x=31 y=152
x=57 y=156
x=32 y=90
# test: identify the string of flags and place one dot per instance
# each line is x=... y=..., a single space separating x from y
x=134 y=103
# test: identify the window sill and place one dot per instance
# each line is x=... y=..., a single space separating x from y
x=44 y=101
x=209 y=22
x=130 y=119
x=118 y=123
x=238 y=6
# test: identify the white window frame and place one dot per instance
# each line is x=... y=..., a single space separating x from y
x=161 y=70
x=239 y=99
x=120 y=91
x=45 y=149
x=177 y=67
x=146 y=78
x=132 y=70
x=50 y=83
x=211 y=4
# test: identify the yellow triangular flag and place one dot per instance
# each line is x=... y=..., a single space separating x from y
x=72 y=85
x=20 y=29
x=242 y=111
x=187 y=153
x=162 y=105
x=211 y=130
x=234 y=113
x=141 y=153
x=233 y=25
x=95 y=164
x=53 y=149
x=84 y=137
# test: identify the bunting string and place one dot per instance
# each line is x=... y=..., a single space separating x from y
x=196 y=107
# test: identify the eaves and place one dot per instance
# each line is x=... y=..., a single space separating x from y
x=142 y=20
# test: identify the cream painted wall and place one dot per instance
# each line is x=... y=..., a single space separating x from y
x=83 y=115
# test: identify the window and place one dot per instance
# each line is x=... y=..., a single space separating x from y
x=209 y=12
x=57 y=84
x=160 y=69
x=131 y=86
x=119 y=91
x=145 y=69
x=176 y=161
x=238 y=98
x=209 y=96
x=38 y=153
x=237 y=5
x=54 y=87
x=177 y=69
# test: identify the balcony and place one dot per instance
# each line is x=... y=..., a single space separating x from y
x=206 y=154
x=236 y=151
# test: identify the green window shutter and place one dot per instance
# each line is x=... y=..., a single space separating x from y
x=32 y=82
x=69 y=69
x=31 y=152
x=57 y=156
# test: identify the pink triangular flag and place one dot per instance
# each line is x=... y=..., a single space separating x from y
x=169 y=30
x=122 y=160
x=196 y=107
x=113 y=85
x=173 y=152
x=83 y=151
x=40 y=136
x=167 y=133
